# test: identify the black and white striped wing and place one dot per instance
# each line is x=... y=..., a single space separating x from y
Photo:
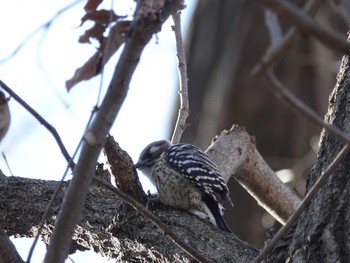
x=195 y=165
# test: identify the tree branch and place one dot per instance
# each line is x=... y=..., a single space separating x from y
x=283 y=93
x=112 y=229
x=307 y=24
x=42 y=121
x=184 y=110
x=147 y=214
x=235 y=154
x=147 y=21
x=275 y=53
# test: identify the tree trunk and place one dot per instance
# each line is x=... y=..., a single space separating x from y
x=322 y=233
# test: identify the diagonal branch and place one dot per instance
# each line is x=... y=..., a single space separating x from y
x=305 y=23
x=282 y=92
x=308 y=198
x=42 y=121
x=275 y=53
x=147 y=21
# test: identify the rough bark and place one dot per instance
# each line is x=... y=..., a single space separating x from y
x=322 y=232
x=113 y=229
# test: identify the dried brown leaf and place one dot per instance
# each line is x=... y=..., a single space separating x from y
x=100 y=17
x=95 y=32
x=109 y=46
x=91 y=5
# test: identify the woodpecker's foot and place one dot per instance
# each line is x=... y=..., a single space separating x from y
x=151 y=198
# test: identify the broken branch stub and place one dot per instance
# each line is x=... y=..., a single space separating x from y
x=235 y=153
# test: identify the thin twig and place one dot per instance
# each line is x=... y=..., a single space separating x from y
x=329 y=37
x=45 y=25
x=42 y=121
x=155 y=220
x=7 y=164
x=308 y=198
x=275 y=53
x=282 y=92
x=184 y=110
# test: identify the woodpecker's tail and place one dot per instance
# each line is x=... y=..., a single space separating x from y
x=214 y=213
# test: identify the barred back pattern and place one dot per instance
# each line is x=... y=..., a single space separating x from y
x=196 y=166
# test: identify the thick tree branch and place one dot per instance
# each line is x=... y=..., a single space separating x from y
x=147 y=214
x=114 y=230
x=235 y=154
x=147 y=21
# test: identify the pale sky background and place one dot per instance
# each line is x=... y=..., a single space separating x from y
x=38 y=73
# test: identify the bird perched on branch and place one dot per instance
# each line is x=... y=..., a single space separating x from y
x=185 y=178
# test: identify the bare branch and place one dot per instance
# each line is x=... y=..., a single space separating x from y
x=235 y=154
x=184 y=110
x=42 y=121
x=343 y=8
x=283 y=93
x=275 y=53
x=308 y=198
x=274 y=28
x=304 y=22
x=147 y=21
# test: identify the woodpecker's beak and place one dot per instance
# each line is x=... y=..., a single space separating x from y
x=138 y=165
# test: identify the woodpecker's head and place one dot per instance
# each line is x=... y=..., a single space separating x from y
x=150 y=154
